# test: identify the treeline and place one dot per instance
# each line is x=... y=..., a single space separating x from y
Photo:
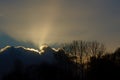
x=104 y=68
x=92 y=60
x=78 y=60
x=83 y=50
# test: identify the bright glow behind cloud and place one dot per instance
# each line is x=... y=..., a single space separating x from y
x=32 y=23
x=46 y=21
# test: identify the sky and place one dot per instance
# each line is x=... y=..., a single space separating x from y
x=51 y=21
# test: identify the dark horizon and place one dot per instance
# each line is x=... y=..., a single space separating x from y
x=75 y=61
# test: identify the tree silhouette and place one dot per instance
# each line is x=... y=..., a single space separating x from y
x=99 y=65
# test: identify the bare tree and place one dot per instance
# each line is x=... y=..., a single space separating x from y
x=81 y=49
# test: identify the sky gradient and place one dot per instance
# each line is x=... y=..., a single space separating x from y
x=49 y=21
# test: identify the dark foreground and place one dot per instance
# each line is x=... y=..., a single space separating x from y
x=98 y=68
